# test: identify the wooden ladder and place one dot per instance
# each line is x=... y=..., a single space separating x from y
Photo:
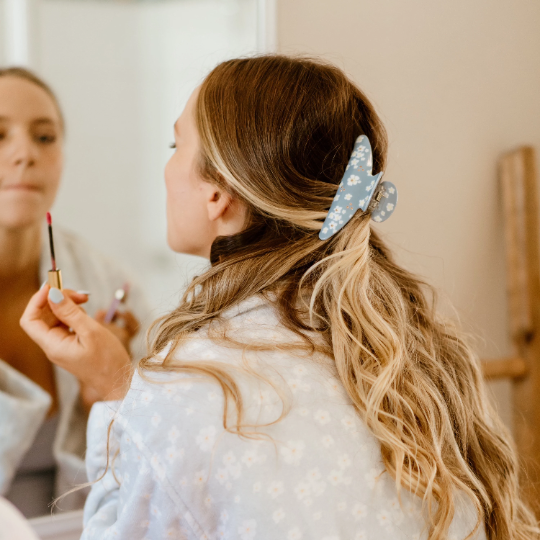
x=517 y=172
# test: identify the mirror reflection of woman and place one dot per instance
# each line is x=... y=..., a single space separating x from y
x=43 y=408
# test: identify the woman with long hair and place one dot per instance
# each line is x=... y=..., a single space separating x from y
x=43 y=408
x=304 y=388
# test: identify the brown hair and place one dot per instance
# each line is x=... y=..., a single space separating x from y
x=277 y=133
x=27 y=75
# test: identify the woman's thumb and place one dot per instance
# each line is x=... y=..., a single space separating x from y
x=67 y=311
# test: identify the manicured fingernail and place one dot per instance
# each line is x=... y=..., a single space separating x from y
x=43 y=285
x=84 y=292
x=55 y=295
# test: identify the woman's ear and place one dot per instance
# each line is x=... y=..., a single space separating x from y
x=225 y=212
x=217 y=202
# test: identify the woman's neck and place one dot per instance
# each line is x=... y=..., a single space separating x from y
x=20 y=252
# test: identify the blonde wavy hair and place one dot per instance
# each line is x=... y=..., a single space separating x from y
x=277 y=132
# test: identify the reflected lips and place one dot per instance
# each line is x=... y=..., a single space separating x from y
x=20 y=187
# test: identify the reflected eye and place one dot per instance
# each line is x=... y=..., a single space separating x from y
x=45 y=139
x=172 y=145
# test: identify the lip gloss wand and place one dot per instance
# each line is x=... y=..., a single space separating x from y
x=120 y=297
x=55 y=274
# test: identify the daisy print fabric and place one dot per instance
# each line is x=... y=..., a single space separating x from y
x=359 y=190
x=316 y=474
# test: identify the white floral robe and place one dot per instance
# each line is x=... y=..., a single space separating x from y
x=176 y=473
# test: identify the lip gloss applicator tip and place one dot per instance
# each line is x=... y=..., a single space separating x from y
x=55 y=275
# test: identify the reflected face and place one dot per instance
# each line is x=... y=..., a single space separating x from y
x=31 y=156
x=188 y=227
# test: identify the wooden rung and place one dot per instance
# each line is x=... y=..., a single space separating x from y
x=504 y=368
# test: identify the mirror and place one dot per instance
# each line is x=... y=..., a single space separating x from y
x=122 y=71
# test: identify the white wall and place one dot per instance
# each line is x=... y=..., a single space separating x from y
x=2 y=36
x=457 y=84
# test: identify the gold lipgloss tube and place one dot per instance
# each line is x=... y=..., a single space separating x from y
x=55 y=279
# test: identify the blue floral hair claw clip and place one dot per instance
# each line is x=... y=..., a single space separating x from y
x=359 y=190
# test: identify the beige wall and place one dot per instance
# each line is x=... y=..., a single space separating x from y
x=457 y=84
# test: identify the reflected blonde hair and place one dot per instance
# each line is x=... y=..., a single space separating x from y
x=276 y=132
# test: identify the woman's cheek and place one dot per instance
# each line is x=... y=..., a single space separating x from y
x=176 y=220
x=53 y=177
